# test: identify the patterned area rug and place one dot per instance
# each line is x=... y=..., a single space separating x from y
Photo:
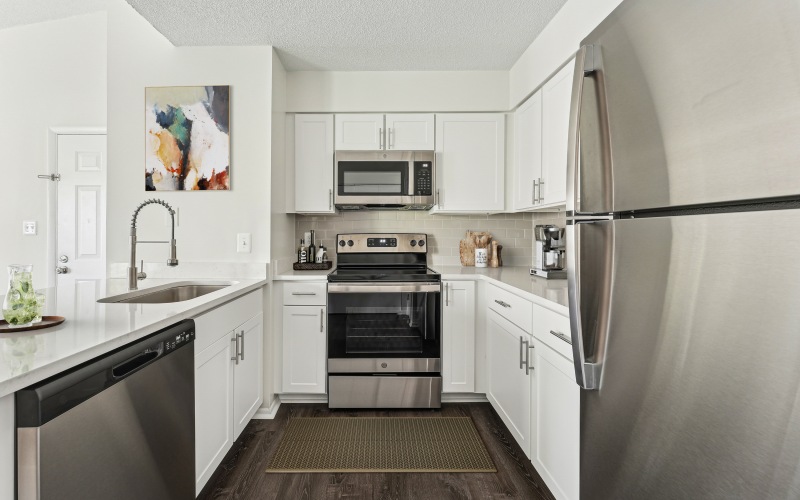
x=386 y=444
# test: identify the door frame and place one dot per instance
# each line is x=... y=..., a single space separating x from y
x=52 y=190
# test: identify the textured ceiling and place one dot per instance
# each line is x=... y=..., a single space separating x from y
x=20 y=12
x=368 y=35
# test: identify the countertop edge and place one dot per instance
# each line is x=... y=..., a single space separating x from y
x=67 y=363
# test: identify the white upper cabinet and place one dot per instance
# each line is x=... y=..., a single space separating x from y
x=313 y=157
x=376 y=132
x=410 y=132
x=362 y=132
x=528 y=152
x=556 y=97
x=470 y=163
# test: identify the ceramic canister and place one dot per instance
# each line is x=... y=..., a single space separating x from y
x=481 y=257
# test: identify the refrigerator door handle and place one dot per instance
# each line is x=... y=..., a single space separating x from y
x=573 y=143
x=588 y=369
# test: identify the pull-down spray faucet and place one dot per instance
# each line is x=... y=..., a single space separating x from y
x=133 y=273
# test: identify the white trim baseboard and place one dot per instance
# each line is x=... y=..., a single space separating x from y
x=303 y=398
x=464 y=398
x=268 y=412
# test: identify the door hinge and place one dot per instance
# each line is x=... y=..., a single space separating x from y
x=52 y=177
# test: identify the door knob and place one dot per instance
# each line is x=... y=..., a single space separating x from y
x=63 y=259
x=62 y=270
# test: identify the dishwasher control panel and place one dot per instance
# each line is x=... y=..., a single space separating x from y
x=177 y=341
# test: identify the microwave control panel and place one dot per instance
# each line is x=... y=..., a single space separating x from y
x=423 y=178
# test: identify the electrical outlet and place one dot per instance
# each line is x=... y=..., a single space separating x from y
x=29 y=227
x=243 y=242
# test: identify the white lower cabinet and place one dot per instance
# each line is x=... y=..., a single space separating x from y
x=304 y=349
x=555 y=423
x=458 y=337
x=228 y=383
x=510 y=387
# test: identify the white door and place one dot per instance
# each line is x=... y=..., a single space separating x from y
x=410 y=132
x=313 y=163
x=248 y=378
x=458 y=337
x=470 y=162
x=81 y=206
x=304 y=349
x=556 y=97
x=528 y=152
x=361 y=132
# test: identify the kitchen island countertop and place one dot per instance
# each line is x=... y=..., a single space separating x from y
x=92 y=329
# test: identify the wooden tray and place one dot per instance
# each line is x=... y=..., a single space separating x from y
x=312 y=266
x=47 y=322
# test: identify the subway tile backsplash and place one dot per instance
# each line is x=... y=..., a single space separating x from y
x=513 y=231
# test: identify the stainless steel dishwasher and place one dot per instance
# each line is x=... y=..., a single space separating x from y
x=120 y=426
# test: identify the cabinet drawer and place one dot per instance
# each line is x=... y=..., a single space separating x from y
x=305 y=293
x=217 y=323
x=552 y=329
x=515 y=309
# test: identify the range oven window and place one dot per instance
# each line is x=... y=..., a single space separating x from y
x=372 y=178
x=394 y=324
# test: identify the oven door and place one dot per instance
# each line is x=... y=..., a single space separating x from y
x=384 y=327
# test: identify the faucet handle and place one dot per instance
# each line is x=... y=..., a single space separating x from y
x=141 y=274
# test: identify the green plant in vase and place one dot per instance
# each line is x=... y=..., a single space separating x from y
x=19 y=304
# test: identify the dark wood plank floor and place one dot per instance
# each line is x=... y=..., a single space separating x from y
x=242 y=474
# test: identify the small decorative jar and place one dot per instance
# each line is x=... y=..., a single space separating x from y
x=481 y=257
x=19 y=305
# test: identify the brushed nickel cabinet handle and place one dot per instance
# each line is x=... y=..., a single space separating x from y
x=380 y=138
x=330 y=199
x=235 y=357
x=502 y=303
x=304 y=293
x=241 y=354
x=563 y=337
x=321 y=321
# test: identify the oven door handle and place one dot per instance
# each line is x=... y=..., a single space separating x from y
x=383 y=287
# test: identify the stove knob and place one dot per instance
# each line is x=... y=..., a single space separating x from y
x=349 y=243
x=413 y=243
x=422 y=243
x=341 y=243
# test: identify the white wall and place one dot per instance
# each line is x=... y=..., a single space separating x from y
x=59 y=79
x=400 y=91
x=139 y=57
x=559 y=40
x=282 y=222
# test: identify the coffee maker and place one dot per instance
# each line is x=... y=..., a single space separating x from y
x=549 y=250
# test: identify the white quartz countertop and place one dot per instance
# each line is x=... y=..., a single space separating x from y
x=515 y=279
x=292 y=275
x=92 y=329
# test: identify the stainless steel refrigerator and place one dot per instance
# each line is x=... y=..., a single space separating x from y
x=684 y=250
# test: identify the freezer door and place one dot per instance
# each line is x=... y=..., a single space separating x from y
x=687 y=103
x=699 y=394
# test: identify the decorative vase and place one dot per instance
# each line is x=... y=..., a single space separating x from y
x=481 y=257
x=19 y=304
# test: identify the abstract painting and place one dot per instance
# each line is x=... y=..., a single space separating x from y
x=187 y=138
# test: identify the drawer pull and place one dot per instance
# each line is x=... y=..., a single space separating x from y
x=304 y=293
x=562 y=337
x=502 y=303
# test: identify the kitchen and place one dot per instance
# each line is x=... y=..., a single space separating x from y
x=128 y=55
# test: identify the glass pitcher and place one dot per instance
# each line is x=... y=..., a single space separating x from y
x=19 y=304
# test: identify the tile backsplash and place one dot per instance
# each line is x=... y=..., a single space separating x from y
x=513 y=231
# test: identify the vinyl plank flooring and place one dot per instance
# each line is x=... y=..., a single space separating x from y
x=242 y=474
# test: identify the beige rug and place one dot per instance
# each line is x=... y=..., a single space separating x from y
x=387 y=444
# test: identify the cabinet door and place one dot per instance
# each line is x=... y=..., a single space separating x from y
x=509 y=385
x=248 y=374
x=410 y=132
x=313 y=163
x=527 y=152
x=359 y=132
x=458 y=337
x=555 y=425
x=213 y=407
x=304 y=349
x=470 y=162
x=556 y=96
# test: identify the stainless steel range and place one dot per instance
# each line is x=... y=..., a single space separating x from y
x=384 y=324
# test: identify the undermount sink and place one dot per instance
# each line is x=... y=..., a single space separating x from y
x=174 y=292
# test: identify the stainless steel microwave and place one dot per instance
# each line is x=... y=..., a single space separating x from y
x=384 y=180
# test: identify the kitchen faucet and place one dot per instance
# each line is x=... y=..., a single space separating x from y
x=133 y=273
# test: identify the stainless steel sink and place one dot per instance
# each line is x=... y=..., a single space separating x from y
x=174 y=292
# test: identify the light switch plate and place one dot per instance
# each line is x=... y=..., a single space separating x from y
x=243 y=242
x=29 y=227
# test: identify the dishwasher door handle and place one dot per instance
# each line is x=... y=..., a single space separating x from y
x=130 y=365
